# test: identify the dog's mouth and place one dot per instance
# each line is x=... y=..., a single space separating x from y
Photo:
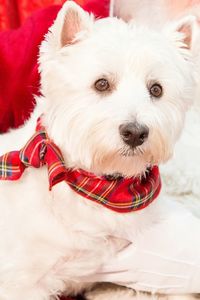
x=129 y=151
x=118 y=176
x=113 y=176
x=125 y=161
x=137 y=154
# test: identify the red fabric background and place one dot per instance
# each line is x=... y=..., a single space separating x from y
x=14 y=12
x=19 y=78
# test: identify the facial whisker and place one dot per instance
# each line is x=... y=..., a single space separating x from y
x=125 y=151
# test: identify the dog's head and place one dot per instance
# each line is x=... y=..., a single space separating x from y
x=116 y=94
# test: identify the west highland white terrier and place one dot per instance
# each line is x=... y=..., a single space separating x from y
x=111 y=112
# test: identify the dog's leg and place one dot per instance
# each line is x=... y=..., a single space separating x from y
x=114 y=292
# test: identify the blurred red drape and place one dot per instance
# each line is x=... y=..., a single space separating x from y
x=19 y=46
x=14 y=12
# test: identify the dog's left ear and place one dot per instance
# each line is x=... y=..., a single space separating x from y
x=183 y=31
x=71 y=25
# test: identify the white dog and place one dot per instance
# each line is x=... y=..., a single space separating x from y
x=112 y=106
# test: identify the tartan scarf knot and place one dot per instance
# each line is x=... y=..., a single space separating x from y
x=37 y=152
x=120 y=195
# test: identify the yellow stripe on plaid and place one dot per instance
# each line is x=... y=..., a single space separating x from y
x=22 y=155
x=102 y=196
x=91 y=192
x=140 y=200
x=48 y=142
x=82 y=183
x=4 y=166
x=53 y=167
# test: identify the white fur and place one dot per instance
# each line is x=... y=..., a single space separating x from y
x=51 y=240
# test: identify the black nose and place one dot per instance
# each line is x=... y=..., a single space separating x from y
x=134 y=134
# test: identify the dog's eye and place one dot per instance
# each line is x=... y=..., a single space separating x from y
x=102 y=85
x=156 y=90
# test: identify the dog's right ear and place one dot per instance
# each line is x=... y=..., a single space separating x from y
x=183 y=31
x=71 y=25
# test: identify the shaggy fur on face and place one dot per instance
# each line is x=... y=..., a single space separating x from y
x=119 y=53
x=52 y=240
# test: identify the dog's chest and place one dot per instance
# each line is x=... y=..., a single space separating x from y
x=62 y=206
x=59 y=228
x=81 y=215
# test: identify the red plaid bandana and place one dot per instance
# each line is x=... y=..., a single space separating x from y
x=120 y=195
